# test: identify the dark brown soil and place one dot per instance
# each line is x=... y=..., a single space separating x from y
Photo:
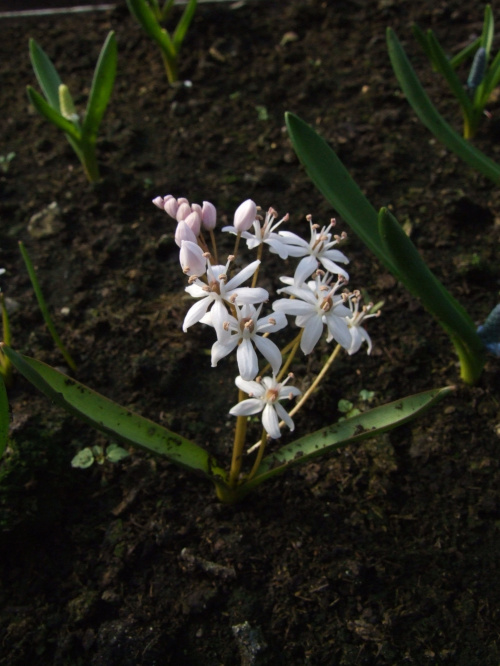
x=385 y=553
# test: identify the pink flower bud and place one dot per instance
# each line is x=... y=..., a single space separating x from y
x=184 y=233
x=171 y=206
x=245 y=216
x=192 y=260
x=182 y=200
x=193 y=220
x=208 y=216
x=196 y=208
x=183 y=211
x=159 y=202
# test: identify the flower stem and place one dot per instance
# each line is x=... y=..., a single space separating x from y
x=294 y=345
x=239 y=443
x=318 y=379
x=260 y=453
x=259 y=257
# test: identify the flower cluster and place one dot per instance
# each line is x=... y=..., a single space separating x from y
x=316 y=296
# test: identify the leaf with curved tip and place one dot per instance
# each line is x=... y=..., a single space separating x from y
x=366 y=425
x=112 y=419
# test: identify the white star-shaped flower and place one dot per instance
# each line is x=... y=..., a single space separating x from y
x=265 y=395
x=318 y=249
x=315 y=305
x=354 y=321
x=265 y=234
x=218 y=290
x=244 y=331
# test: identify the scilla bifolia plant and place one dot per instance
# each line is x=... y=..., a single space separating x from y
x=58 y=106
x=245 y=324
x=433 y=120
x=150 y=14
x=484 y=75
x=386 y=239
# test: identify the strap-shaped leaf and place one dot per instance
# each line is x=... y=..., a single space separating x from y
x=4 y=417
x=430 y=117
x=183 y=25
x=421 y=282
x=491 y=80
x=466 y=53
x=488 y=31
x=443 y=65
x=46 y=74
x=336 y=184
x=146 y=18
x=102 y=86
x=52 y=115
x=111 y=418
x=364 y=426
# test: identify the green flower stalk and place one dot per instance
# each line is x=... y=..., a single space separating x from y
x=57 y=105
x=150 y=14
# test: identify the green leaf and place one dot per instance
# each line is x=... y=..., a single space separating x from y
x=183 y=25
x=421 y=38
x=145 y=16
x=437 y=300
x=443 y=65
x=115 y=453
x=83 y=459
x=335 y=183
x=46 y=73
x=430 y=117
x=466 y=53
x=102 y=86
x=4 y=417
x=488 y=31
x=366 y=425
x=53 y=116
x=112 y=419
x=491 y=80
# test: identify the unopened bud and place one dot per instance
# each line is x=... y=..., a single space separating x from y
x=192 y=259
x=159 y=202
x=208 y=216
x=171 y=206
x=183 y=211
x=193 y=220
x=245 y=216
x=184 y=233
x=66 y=104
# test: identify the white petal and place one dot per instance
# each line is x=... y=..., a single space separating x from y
x=248 y=364
x=266 y=326
x=270 y=422
x=247 y=407
x=248 y=295
x=196 y=312
x=305 y=269
x=333 y=267
x=243 y=275
x=311 y=335
x=339 y=330
x=293 y=306
x=223 y=348
x=196 y=290
x=269 y=351
x=284 y=416
x=249 y=387
x=277 y=246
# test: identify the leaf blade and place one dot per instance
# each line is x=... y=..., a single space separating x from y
x=111 y=418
